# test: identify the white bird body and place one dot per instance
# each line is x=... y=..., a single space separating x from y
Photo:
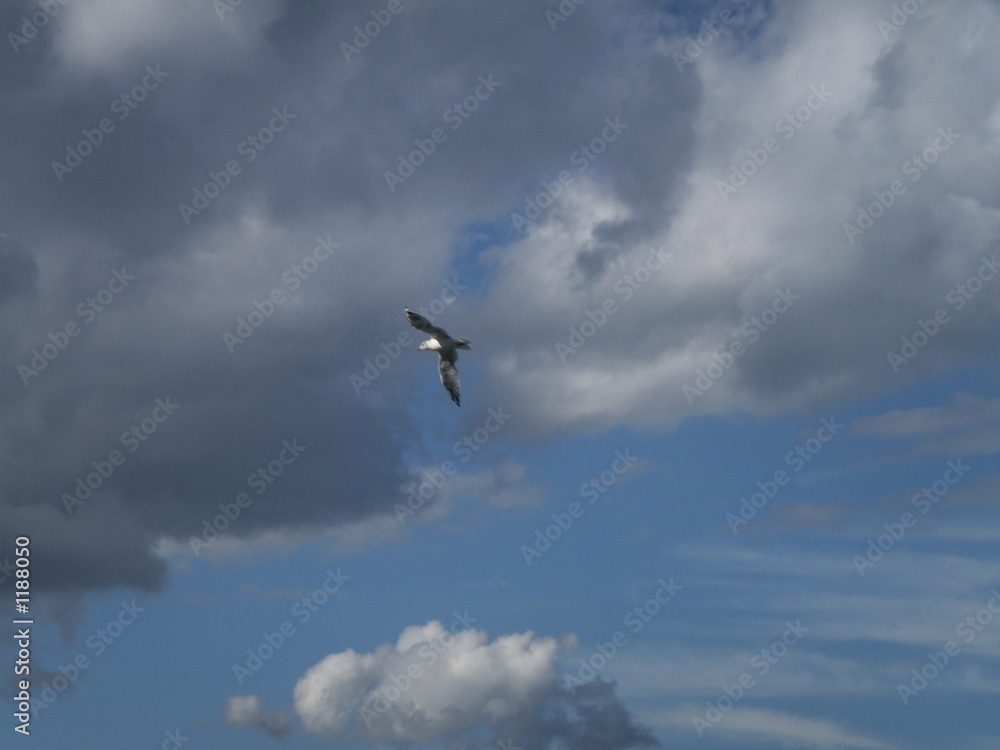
x=446 y=347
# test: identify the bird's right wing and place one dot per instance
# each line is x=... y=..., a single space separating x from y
x=421 y=323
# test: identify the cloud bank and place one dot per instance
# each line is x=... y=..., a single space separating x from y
x=637 y=235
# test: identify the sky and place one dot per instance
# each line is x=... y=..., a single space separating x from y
x=724 y=473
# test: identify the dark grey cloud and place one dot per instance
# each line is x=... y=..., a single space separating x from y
x=301 y=136
x=18 y=272
x=591 y=717
x=114 y=120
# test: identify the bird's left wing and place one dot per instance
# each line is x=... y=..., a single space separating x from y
x=449 y=379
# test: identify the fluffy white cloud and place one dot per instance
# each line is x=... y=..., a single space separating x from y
x=457 y=683
x=431 y=683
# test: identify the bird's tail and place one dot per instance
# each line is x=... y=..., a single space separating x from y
x=462 y=344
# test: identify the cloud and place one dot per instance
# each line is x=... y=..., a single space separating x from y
x=966 y=426
x=196 y=277
x=864 y=636
x=18 y=271
x=795 y=731
x=247 y=711
x=777 y=231
x=100 y=548
x=819 y=583
x=747 y=725
x=504 y=485
x=457 y=684
x=107 y=35
x=601 y=98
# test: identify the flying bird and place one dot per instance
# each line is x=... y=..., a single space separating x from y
x=446 y=347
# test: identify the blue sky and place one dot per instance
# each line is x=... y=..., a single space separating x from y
x=724 y=474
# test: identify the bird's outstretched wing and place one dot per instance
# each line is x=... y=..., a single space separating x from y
x=421 y=323
x=449 y=379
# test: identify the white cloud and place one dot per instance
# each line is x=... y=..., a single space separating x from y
x=453 y=683
x=505 y=485
x=443 y=684
x=882 y=106
x=743 y=724
x=247 y=711
x=969 y=425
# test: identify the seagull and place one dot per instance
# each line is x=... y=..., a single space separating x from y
x=446 y=348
